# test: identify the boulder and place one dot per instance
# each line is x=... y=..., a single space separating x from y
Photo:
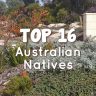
x=2 y=42
x=41 y=25
x=51 y=25
x=57 y=25
x=53 y=37
x=75 y=25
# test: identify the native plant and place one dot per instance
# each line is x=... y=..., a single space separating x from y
x=14 y=60
x=18 y=86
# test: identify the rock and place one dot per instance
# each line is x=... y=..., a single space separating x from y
x=40 y=25
x=51 y=25
x=58 y=25
x=75 y=25
x=8 y=75
x=2 y=42
x=53 y=37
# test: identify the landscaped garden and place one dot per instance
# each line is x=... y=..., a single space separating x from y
x=55 y=14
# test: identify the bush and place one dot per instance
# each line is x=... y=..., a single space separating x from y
x=3 y=61
x=14 y=60
x=73 y=17
x=49 y=19
x=64 y=83
x=18 y=86
x=33 y=6
x=62 y=15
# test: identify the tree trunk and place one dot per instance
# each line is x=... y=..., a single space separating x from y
x=81 y=20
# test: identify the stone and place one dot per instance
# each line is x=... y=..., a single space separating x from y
x=2 y=42
x=75 y=25
x=57 y=25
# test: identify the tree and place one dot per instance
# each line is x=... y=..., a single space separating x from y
x=13 y=4
x=56 y=5
x=80 y=6
x=3 y=7
x=62 y=15
x=27 y=2
x=34 y=6
x=72 y=6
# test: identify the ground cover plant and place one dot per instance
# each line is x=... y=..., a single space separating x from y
x=77 y=82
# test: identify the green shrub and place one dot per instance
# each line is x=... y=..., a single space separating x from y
x=12 y=58
x=33 y=6
x=18 y=86
x=65 y=83
x=62 y=15
x=3 y=60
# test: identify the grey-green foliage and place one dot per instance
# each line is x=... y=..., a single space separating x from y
x=88 y=53
x=86 y=60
